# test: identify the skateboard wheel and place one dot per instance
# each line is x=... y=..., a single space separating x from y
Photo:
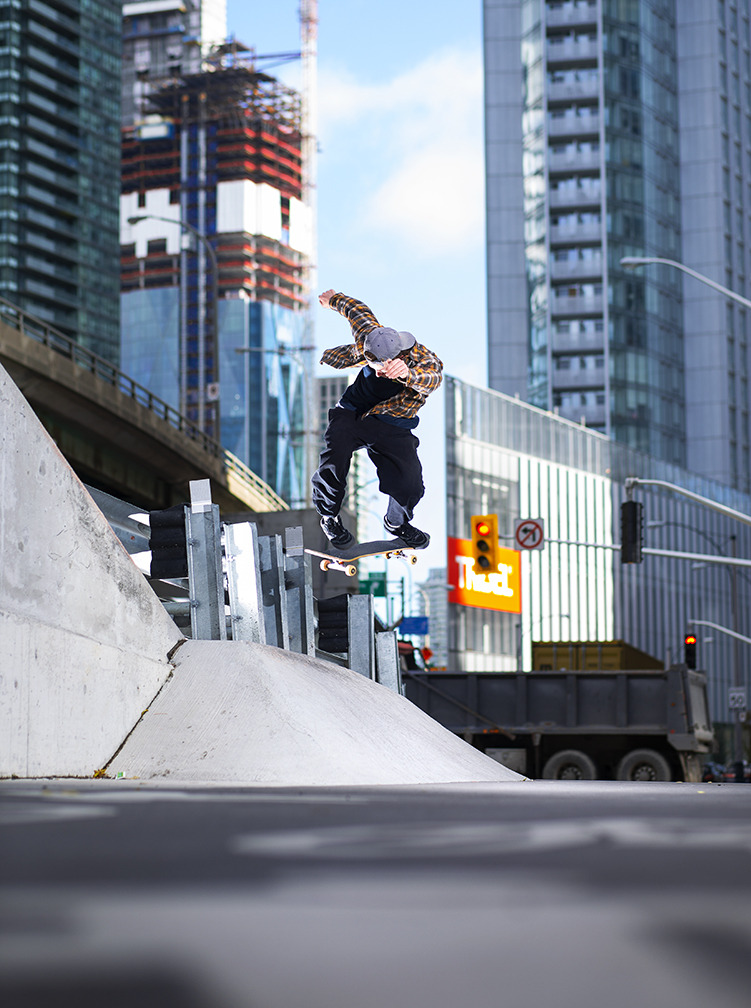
x=351 y=570
x=324 y=565
x=413 y=559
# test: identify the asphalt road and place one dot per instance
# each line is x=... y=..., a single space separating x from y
x=530 y=895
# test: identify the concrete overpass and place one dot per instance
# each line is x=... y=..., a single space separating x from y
x=114 y=433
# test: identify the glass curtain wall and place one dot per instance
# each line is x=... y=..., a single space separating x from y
x=59 y=166
x=505 y=456
x=643 y=218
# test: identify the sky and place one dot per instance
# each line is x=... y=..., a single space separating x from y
x=401 y=212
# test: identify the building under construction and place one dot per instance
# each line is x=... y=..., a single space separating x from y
x=216 y=246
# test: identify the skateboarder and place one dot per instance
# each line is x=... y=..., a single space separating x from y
x=377 y=412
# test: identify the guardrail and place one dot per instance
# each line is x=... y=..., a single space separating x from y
x=106 y=371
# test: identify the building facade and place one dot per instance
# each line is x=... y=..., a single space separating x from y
x=215 y=244
x=506 y=457
x=164 y=40
x=59 y=166
x=622 y=128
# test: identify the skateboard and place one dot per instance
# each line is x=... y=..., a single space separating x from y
x=344 y=559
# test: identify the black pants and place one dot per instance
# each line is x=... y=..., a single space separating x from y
x=393 y=451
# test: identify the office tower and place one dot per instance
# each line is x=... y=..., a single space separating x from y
x=621 y=128
x=162 y=40
x=215 y=243
x=60 y=157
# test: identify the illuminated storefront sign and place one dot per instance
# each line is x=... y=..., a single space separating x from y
x=500 y=591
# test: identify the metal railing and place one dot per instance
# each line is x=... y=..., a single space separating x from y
x=104 y=370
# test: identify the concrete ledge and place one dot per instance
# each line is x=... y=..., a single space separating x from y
x=238 y=712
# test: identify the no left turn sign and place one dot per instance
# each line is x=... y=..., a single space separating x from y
x=529 y=533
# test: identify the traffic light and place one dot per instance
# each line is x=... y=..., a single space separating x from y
x=689 y=650
x=632 y=531
x=168 y=543
x=485 y=543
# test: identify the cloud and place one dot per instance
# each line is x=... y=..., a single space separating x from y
x=414 y=148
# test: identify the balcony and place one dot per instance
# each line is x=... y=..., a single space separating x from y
x=577 y=15
x=573 y=160
x=568 y=51
x=573 y=126
x=591 y=415
x=576 y=305
x=577 y=342
x=578 y=269
x=562 y=92
x=582 y=234
x=564 y=199
x=586 y=379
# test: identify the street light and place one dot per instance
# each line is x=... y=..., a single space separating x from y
x=631 y=262
x=213 y=336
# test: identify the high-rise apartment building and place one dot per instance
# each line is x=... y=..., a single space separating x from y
x=623 y=128
x=60 y=165
x=164 y=39
x=216 y=238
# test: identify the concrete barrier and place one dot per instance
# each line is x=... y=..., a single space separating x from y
x=249 y=713
x=85 y=649
x=83 y=639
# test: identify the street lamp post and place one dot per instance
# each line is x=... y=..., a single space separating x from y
x=213 y=335
x=631 y=262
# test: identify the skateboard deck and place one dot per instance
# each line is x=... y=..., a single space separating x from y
x=345 y=559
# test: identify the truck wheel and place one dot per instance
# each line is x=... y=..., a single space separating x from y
x=569 y=764
x=644 y=764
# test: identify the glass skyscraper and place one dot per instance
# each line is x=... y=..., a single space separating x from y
x=60 y=165
x=622 y=128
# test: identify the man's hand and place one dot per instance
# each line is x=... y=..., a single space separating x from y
x=325 y=298
x=395 y=368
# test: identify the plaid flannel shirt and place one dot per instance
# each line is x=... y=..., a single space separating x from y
x=425 y=369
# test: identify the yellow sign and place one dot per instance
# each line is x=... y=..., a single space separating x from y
x=499 y=590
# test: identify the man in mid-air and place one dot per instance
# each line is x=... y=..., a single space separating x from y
x=378 y=412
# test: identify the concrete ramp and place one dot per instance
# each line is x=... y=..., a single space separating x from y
x=249 y=713
x=83 y=639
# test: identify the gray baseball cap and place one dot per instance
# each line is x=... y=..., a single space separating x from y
x=385 y=343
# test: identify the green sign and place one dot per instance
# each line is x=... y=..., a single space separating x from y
x=374 y=584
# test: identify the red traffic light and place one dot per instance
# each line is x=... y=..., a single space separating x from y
x=690 y=639
x=482 y=528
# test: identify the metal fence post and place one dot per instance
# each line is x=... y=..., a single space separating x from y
x=388 y=672
x=274 y=594
x=360 y=621
x=207 y=618
x=298 y=579
x=244 y=582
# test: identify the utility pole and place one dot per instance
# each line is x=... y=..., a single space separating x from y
x=738 y=680
x=309 y=150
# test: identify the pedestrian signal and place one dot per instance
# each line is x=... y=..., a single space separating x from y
x=632 y=531
x=689 y=650
x=485 y=543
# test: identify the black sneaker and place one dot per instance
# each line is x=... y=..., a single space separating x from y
x=336 y=533
x=413 y=537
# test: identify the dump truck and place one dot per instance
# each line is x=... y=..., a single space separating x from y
x=650 y=724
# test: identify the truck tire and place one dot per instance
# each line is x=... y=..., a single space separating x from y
x=569 y=764
x=644 y=764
